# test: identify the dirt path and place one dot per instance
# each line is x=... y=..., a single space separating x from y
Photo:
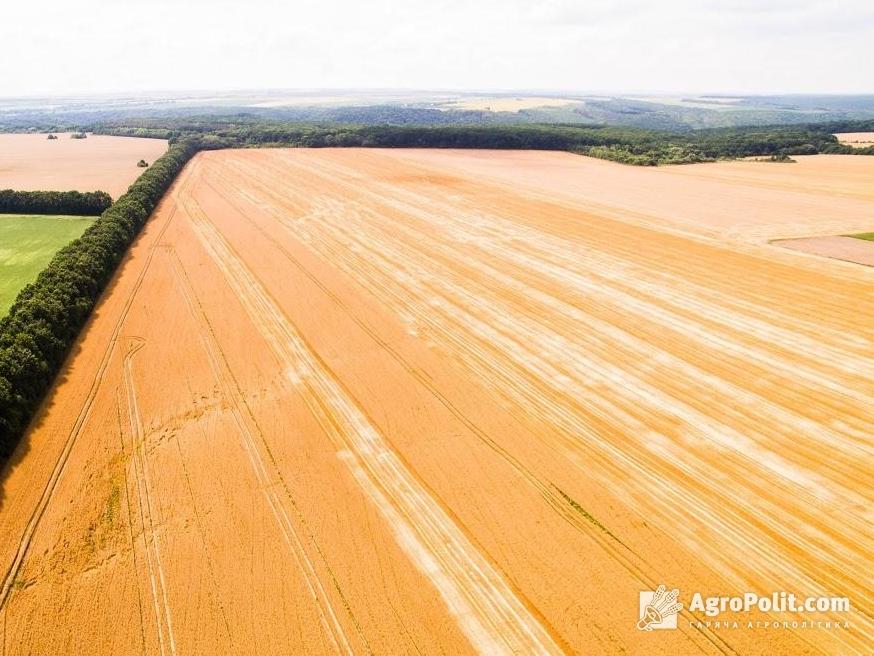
x=374 y=402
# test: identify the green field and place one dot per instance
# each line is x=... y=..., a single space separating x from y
x=868 y=236
x=27 y=243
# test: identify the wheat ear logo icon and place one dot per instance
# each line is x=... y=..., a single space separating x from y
x=662 y=606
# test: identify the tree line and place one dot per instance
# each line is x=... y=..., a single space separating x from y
x=73 y=203
x=628 y=145
x=44 y=321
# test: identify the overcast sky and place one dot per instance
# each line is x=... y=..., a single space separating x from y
x=750 y=46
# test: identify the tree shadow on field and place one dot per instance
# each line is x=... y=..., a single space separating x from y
x=23 y=448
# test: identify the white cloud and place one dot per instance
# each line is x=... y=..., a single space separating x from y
x=764 y=46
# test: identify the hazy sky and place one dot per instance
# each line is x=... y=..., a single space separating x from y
x=754 y=46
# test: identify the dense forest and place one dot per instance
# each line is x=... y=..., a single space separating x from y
x=623 y=144
x=48 y=314
x=73 y=203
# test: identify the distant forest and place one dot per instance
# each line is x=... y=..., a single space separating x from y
x=654 y=113
x=628 y=145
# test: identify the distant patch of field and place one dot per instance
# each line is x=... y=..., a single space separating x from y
x=304 y=101
x=27 y=243
x=32 y=162
x=856 y=139
x=719 y=100
x=701 y=102
x=867 y=236
x=499 y=104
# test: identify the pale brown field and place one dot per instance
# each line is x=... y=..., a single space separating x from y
x=839 y=247
x=503 y=104
x=740 y=201
x=389 y=402
x=856 y=139
x=30 y=162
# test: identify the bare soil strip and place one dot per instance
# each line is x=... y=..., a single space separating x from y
x=848 y=249
x=406 y=401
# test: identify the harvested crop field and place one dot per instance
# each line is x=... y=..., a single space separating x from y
x=506 y=104
x=738 y=201
x=368 y=401
x=856 y=139
x=27 y=243
x=32 y=162
x=840 y=247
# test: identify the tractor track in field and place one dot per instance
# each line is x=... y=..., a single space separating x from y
x=489 y=613
x=147 y=506
x=266 y=474
x=358 y=235
x=552 y=495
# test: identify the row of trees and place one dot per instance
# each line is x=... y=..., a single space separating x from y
x=89 y=203
x=245 y=131
x=48 y=314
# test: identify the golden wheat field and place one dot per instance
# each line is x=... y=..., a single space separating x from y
x=391 y=402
